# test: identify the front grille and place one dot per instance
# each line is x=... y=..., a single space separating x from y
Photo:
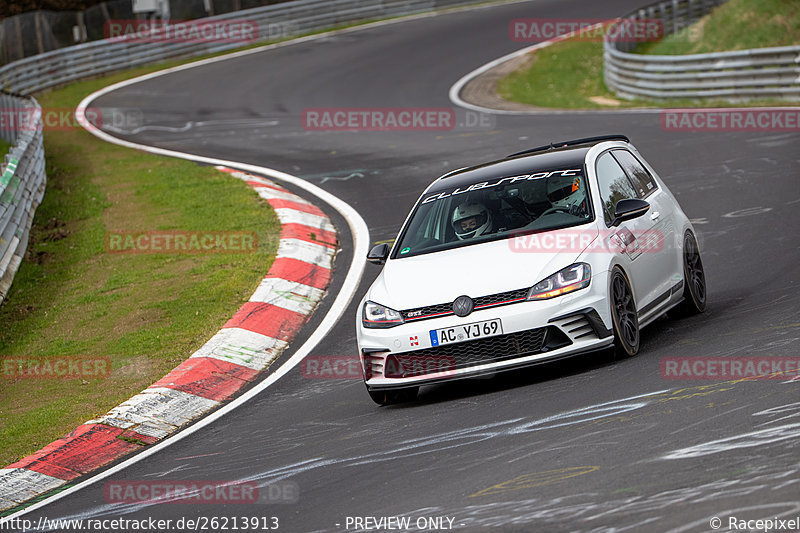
x=421 y=313
x=501 y=298
x=481 y=302
x=472 y=353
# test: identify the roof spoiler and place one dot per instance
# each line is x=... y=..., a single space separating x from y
x=574 y=142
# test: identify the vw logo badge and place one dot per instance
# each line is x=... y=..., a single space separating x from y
x=463 y=306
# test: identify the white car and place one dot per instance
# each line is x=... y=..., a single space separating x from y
x=548 y=253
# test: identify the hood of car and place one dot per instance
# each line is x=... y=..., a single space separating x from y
x=477 y=270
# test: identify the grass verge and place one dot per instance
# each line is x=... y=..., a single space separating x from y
x=735 y=25
x=569 y=73
x=146 y=312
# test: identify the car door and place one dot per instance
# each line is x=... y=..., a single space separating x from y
x=632 y=236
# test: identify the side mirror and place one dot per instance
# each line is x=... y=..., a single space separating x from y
x=628 y=209
x=378 y=255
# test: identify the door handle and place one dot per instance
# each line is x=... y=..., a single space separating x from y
x=655 y=215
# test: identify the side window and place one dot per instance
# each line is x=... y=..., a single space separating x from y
x=614 y=184
x=639 y=175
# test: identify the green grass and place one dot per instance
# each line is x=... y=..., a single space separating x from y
x=146 y=312
x=735 y=25
x=4 y=148
x=569 y=74
x=553 y=78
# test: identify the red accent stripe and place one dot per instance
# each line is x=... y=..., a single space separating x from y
x=87 y=448
x=207 y=377
x=484 y=306
x=300 y=272
x=309 y=234
x=280 y=203
x=267 y=319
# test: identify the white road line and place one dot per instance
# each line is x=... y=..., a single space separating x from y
x=455 y=91
x=361 y=240
x=357 y=225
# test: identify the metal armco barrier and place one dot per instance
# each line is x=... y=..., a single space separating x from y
x=274 y=22
x=738 y=75
x=22 y=181
x=23 y=172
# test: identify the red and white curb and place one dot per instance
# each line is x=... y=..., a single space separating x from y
x=246 y=346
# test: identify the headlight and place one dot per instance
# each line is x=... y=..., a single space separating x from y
x=377 y=316
x=572 y=278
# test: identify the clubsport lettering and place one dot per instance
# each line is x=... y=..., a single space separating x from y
x=510 y=179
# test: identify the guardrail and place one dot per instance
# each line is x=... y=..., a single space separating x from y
x=23 y=173
x=22 y=181
x=275 y=21
x=737 y=75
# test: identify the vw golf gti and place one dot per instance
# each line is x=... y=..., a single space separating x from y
x=549 y=253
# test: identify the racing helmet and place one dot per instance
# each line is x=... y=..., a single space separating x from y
x=465 y=213
x=564 y=191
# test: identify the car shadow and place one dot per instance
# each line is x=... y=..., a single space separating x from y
x=510 y=379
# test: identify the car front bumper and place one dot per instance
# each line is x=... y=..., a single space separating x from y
x=533 y=332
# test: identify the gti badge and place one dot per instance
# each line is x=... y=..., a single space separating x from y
x=463 y=306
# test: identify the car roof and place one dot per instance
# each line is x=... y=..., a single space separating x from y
x=552 y=159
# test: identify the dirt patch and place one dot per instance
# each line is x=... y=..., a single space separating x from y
x=604 y=100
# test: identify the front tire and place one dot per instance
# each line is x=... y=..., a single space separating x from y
x=624 y=316
x=393 y=396
x=694 y=279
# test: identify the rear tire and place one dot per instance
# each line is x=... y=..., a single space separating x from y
x=393 y=396
x=694 y=280
x=624 y=316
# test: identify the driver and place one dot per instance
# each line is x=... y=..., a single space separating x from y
x=567 y=194
x=471 y=219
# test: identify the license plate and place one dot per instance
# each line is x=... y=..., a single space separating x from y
x=467 y=332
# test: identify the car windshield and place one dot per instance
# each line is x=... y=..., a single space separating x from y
x=495 y=209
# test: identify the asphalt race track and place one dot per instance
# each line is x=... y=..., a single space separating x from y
x=585 y=445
